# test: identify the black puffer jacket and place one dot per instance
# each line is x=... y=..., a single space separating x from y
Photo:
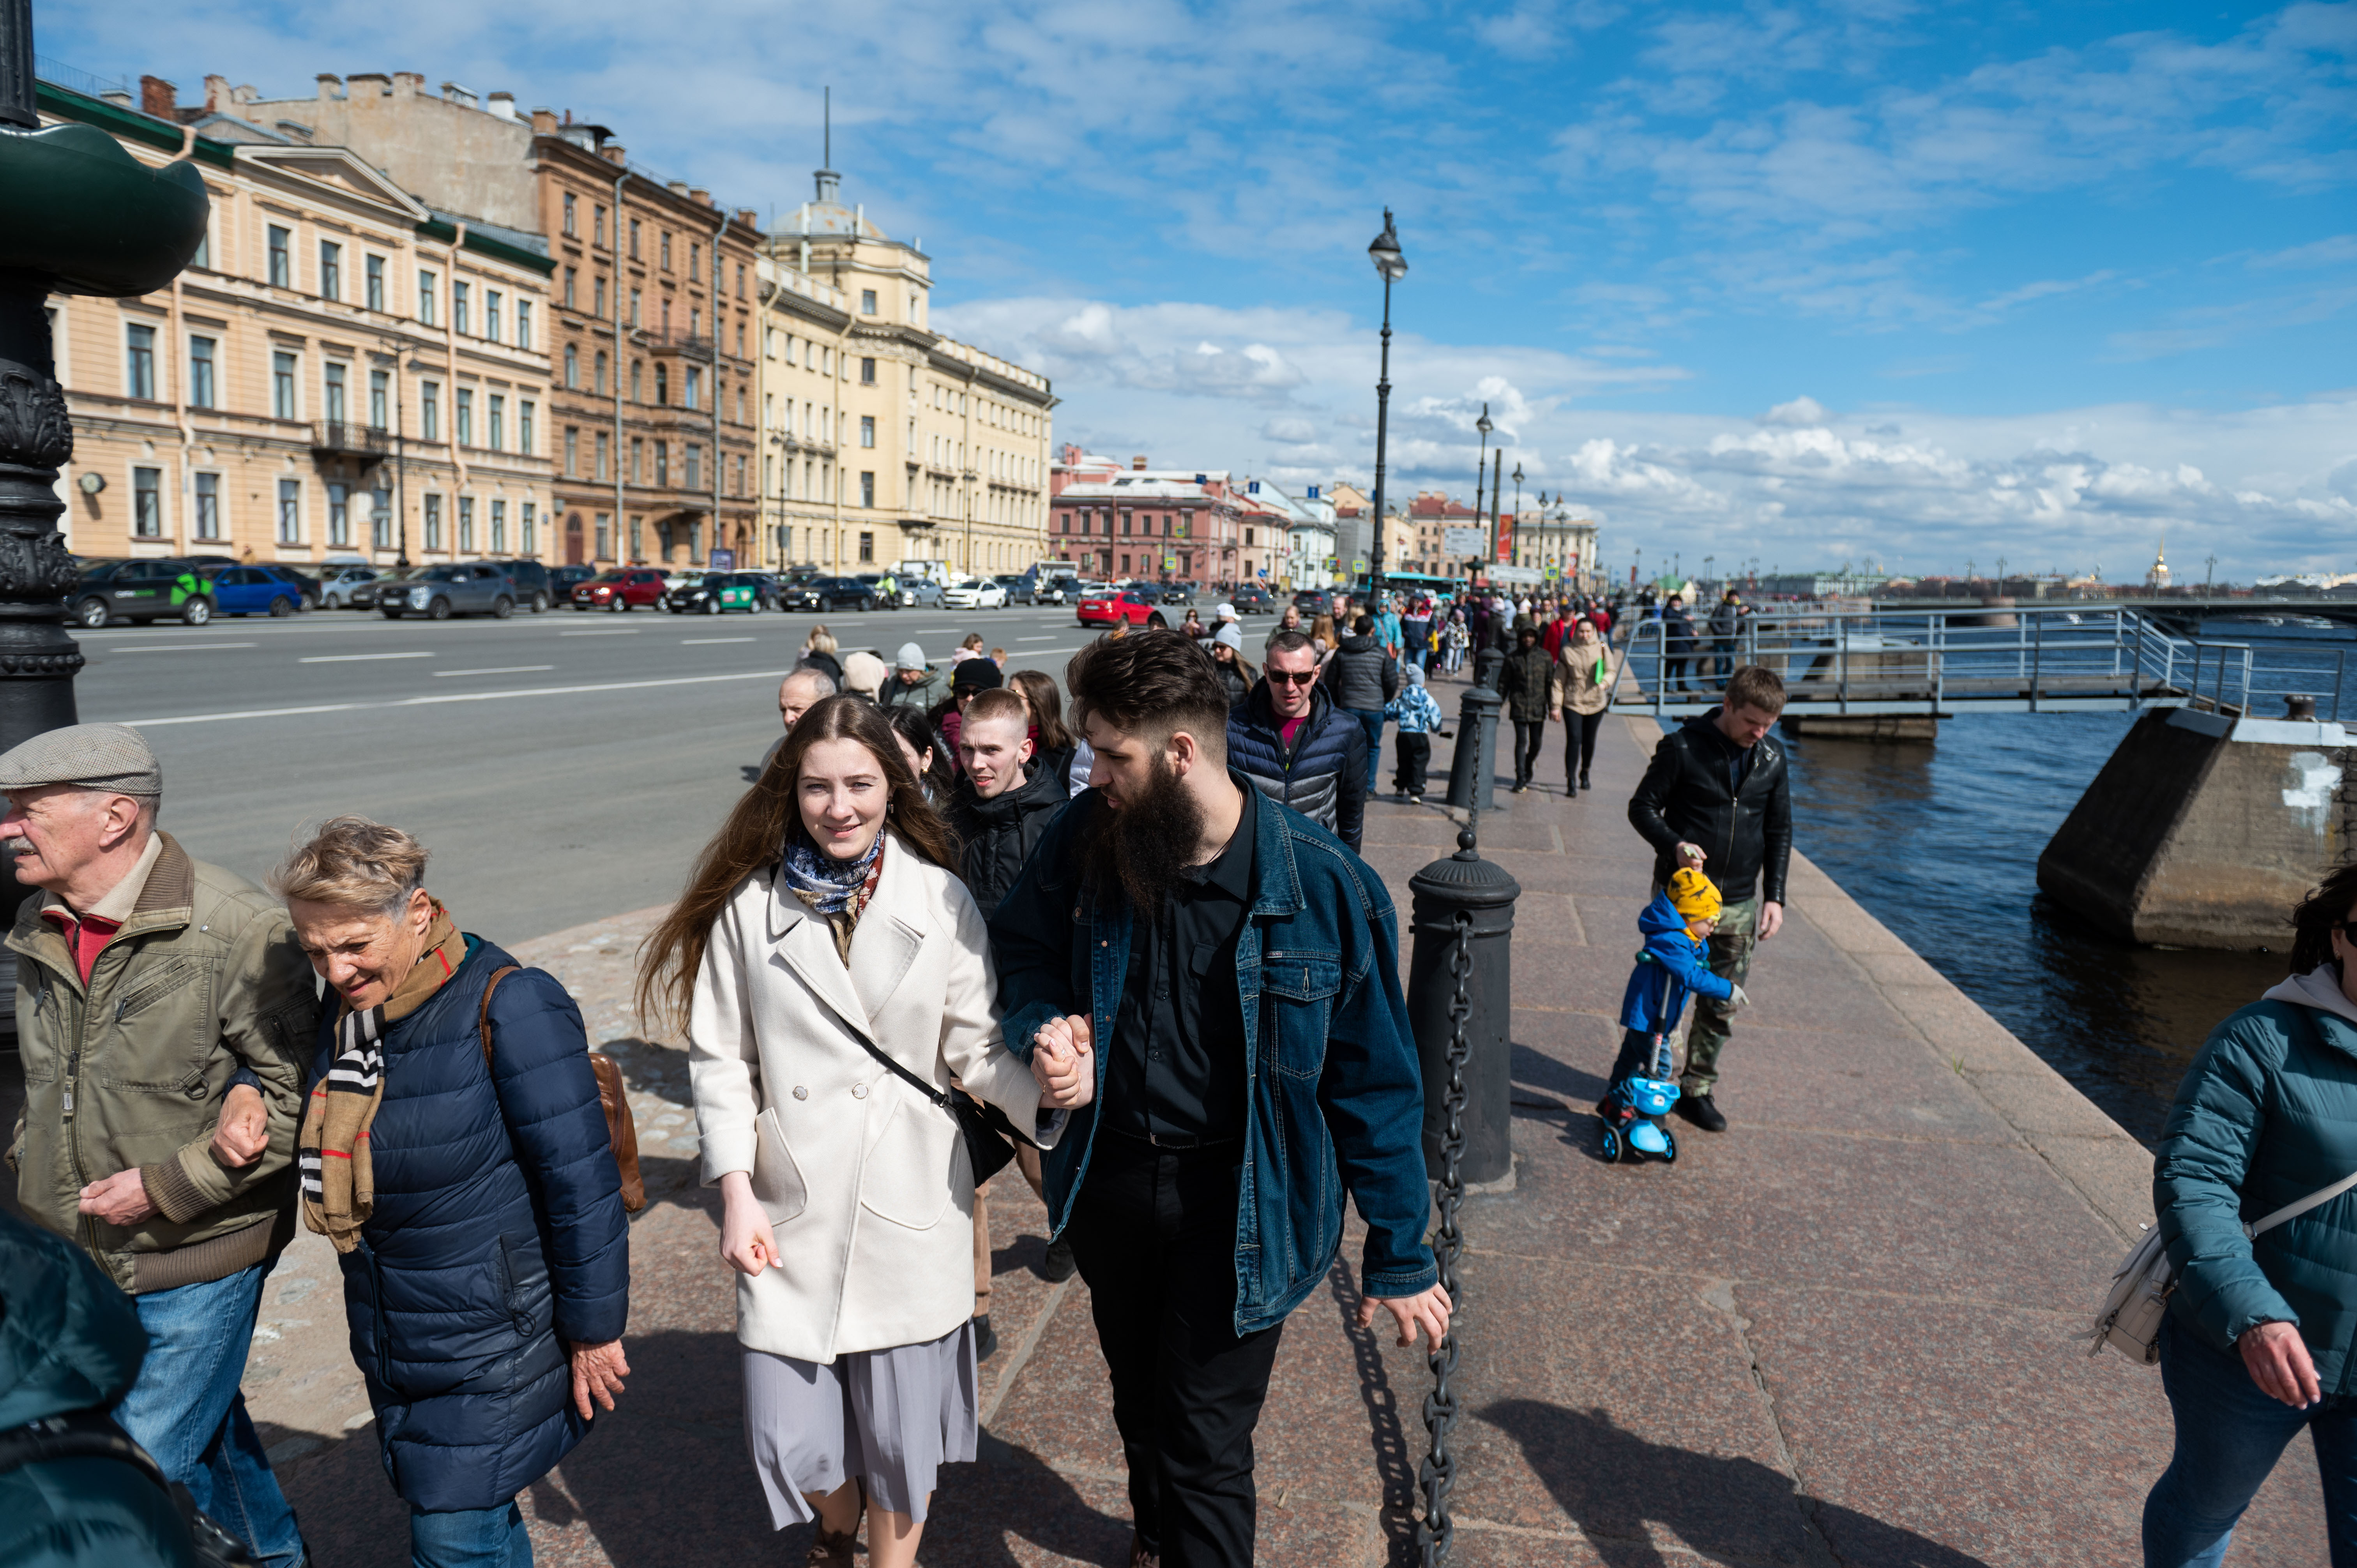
x=1523 y=682
x=999 y=834
x=1360 y=676
x=1688 y=795
x=1323 y=775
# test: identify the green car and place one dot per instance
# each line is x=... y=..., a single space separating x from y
x=140 y=591
x=718 y=591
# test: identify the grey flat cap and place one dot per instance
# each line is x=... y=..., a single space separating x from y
x=96 y=757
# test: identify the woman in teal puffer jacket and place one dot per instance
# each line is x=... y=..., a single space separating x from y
x=2257 y=1344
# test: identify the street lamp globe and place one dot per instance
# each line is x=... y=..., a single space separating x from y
x=1482 y=424
x=1386 y=252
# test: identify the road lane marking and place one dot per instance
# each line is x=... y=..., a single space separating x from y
x=1049 y=636
x=182 y=648
x=617 y=631
x=707 y=642
x=497 y=670
x=450 y=697
x=356 y=657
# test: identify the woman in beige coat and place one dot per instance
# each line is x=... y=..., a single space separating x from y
x=819 y=928
x=1585 y=669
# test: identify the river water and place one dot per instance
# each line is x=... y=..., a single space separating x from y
x=1941 y=842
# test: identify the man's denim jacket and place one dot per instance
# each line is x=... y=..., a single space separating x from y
x=1336 y=1098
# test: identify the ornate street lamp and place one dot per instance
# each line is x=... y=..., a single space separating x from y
x=1518 y=515
x=1385 y=253
x=1481 y=478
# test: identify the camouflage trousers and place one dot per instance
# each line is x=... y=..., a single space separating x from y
x=1730 y=959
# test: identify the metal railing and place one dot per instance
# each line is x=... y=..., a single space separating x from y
x=342 y=436
x=1988 y=659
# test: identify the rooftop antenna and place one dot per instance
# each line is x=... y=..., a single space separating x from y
x=829 y=182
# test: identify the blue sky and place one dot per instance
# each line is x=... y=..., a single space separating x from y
x=1806 y=282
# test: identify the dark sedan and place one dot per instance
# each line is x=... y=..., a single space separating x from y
x=1252 y=600
x=827 y=594
x=1313 y=602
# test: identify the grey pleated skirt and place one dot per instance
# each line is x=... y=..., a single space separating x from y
x=892 y=1417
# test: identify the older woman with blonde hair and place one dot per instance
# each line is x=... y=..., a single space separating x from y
x=454 y=1152
x=837 y=981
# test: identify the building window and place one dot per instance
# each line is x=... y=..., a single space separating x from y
x=290 y=511
x=209 y=506
x=524 y=324
x=524 y=411
x=381 y=518
x=598 y=237
x=375 y=283
x=426 y=288
x=601 y=454
x=571 y=218
x=598 y=297
x=467 y=524
x=530 y=543
x=282 y=264
x=380 y=400
x=339 y=518
x=572 y=450
x=139 y=363
x=866 y=301
x=499 y=528
x=867 y=489
x=335 y=411
x=662 y=464
x=282 y=386
x=605 y=538
x=638 y=297
x=201 y=392
x=459 y=298
x=570 y=273
x=694 y=258
x=638 y=461
x=867 y=372
x=331 y=270
x=429 y=410
x=147 y=502
x=663 y=383
x=491 y=313
x=867 y=547
x=433 y=522
x=866 y=430
x=598 y=385
x=695 y=467
x=740 y=286
x=634 y=239
x=573 y=367
x=465 y=424
x=665 y=246
x=499 y=423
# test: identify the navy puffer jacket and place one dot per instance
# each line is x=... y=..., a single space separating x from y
x=1323 y=776
x=498 y=1232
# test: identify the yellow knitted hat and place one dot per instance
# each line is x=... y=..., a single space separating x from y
x=1694 y=895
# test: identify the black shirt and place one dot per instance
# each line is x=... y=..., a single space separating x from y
x=1177 y=1065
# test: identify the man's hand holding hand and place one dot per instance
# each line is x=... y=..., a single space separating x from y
x=1426 y=1312
x=1060 y=1062
x=244 y=1133
x=120 y=1199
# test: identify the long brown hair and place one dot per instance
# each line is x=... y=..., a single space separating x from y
x=1038 y=688
x=756 y=833
x=2315 y=917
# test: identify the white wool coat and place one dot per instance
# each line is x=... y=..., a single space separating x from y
x=866 y=1182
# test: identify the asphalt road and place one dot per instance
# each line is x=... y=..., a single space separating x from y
x=561 y=767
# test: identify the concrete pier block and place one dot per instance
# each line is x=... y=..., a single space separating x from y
x=1921 y=728
x=2204 y=829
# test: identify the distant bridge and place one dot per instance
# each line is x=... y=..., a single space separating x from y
x=1917 y=661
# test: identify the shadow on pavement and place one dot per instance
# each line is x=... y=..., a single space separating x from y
x=1386 y=1432
x=1614 y=1484
x=1578 y=1088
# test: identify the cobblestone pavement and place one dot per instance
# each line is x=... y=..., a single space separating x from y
x=1840 y=1333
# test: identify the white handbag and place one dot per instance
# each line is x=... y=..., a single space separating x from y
x=2129 y=1319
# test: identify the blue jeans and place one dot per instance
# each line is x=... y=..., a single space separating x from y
x=470 y=1538
x=1372 y=721
x=186 y=1410
x=2229 y=1436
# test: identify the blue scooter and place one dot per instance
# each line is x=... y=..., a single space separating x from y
x=1632 y=1113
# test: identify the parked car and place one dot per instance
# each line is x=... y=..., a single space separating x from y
x=530 y=579
x=563 y=580
x=623 y=589
x=915 y=593
x=1038 y=587
x=827 y=594
x=976 y=594
x=140 y=591
x=1178 y=593
x=1252 y=600
x=1313 y=602
x=336 y=592
x=438 y=593
x=718 y=591
x=364 y=595
x=1133 y=605
x=254 y=590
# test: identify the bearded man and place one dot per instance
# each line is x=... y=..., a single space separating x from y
x=1228 y=974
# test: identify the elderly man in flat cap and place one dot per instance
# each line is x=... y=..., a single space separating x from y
x=163 y=1009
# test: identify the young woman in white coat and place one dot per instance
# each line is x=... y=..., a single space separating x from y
x=821 y=928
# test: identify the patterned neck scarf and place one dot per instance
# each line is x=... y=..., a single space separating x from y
x=837 y=889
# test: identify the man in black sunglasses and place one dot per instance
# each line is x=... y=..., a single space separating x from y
x=1296 y=746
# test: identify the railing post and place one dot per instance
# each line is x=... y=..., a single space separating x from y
x=2037 y=661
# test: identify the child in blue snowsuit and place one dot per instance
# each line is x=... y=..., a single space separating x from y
x=1674 y=961
x=1419 y=719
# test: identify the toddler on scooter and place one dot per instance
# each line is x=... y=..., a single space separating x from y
x=1674 y=961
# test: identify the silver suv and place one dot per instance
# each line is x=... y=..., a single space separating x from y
x=440 y=592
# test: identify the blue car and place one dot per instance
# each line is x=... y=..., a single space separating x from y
x=257 y=590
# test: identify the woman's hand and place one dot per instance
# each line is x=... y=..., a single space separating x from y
x=1061 y=1064
x=598 y=1371
x=2278 y=1358
x=746 y=1242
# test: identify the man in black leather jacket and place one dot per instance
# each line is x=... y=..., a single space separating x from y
x=1717 y=797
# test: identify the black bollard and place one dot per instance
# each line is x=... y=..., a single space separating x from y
x=1473 y=765
x=1465 y=884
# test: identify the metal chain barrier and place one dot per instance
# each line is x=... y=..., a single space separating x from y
x=1439 y=1474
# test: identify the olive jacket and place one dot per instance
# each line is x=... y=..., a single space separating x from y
x=130 y=1072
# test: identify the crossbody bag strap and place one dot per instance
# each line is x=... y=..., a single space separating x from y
x=919 y=1084
x=2293 y=1210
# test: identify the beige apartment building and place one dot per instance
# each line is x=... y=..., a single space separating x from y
x=883 y=440
x=339 y=376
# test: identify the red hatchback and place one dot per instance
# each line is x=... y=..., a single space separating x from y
x=1133 y=605
x=626 y=589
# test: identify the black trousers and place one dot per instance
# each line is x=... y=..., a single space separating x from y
x=1530 y=738
x=1415 y=757
x=1579 y=745
x=1673 y=669
x=1155 y=1235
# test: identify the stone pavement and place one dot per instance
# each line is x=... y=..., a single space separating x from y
x=1843 y=1332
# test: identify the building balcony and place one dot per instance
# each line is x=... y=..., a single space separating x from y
x=342 y=439
x=672 y=340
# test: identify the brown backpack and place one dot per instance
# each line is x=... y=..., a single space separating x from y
x=620 y=1130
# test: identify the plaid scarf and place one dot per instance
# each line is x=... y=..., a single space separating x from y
x=838 y=889
x=332 y=1151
